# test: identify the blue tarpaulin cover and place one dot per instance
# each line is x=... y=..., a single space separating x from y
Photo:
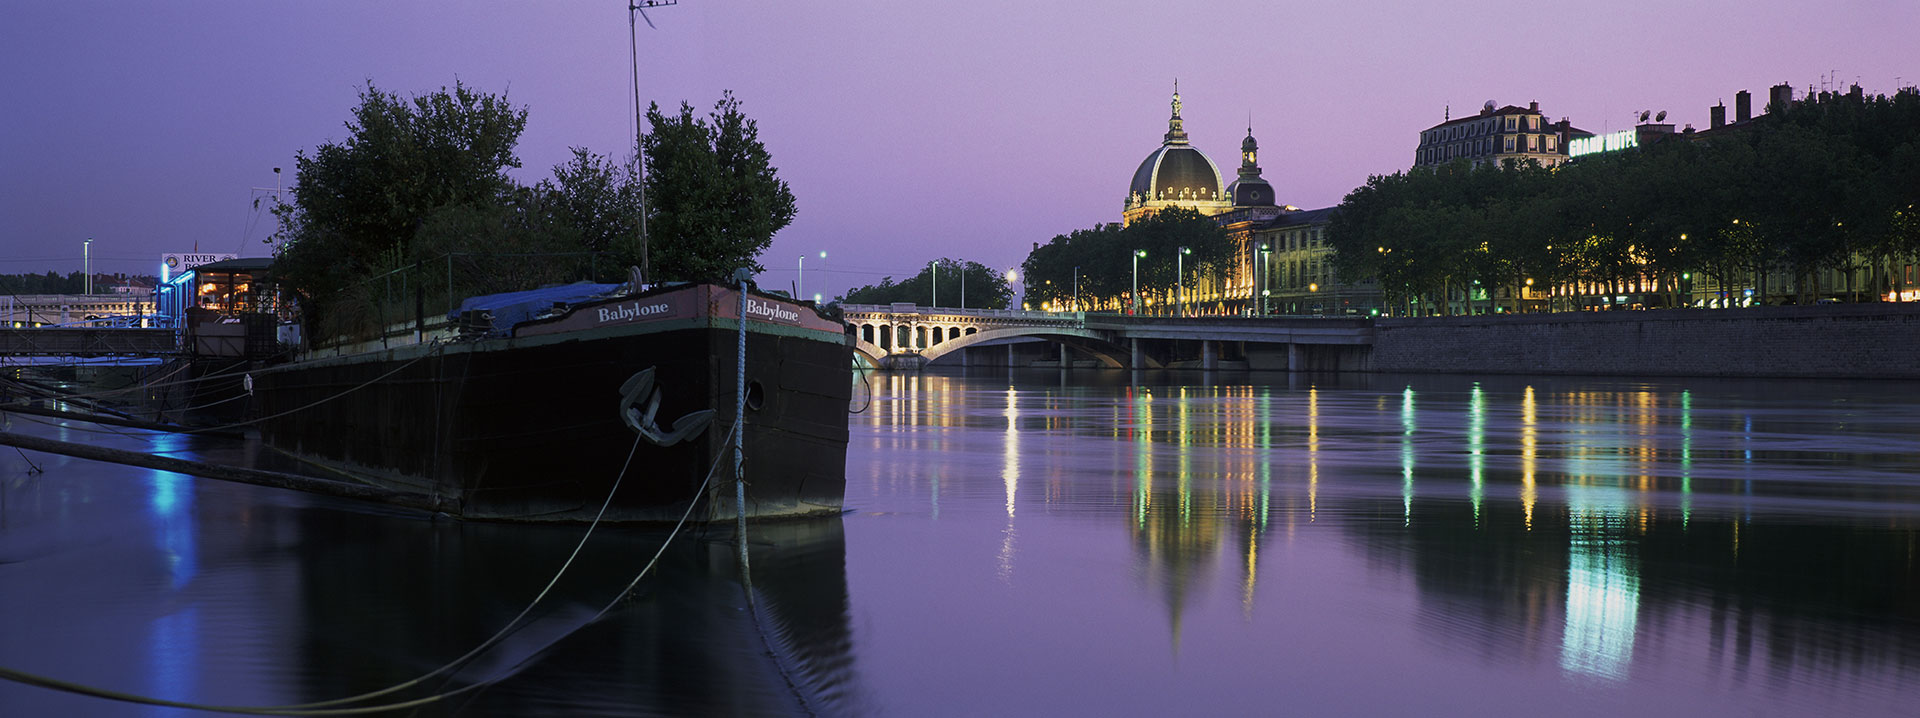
x=511 y=308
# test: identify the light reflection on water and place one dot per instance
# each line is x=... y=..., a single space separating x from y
x=1599 y=528
x=1097 y=543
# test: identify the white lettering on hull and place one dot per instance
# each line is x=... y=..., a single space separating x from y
x=771 y=311
x=630 y=312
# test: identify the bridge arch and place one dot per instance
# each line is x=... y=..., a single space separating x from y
x=868 y=354
x=1087 y=341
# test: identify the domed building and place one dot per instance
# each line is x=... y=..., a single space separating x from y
x=1282 y=263
x=1178 y=175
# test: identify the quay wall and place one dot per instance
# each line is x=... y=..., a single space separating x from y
x=1878 y=340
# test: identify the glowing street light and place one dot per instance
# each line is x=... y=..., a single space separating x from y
x=800 y=278
x=86 y=262
x=935 y=264
x=1137 y=254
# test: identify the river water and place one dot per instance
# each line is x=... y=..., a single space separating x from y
x=1048 y=544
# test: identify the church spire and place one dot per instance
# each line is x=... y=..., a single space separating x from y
x=1176 y=128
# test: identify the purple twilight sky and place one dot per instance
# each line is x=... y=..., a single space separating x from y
x=908 y=130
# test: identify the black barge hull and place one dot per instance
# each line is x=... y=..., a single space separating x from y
x=529 y=427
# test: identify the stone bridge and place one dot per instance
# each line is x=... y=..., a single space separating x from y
x=907 y=336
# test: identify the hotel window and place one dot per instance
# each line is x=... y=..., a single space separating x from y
x=1509 y=143
x=1553 y=143
x=1513 y=123
x=1533 y=123
x=1533 y=143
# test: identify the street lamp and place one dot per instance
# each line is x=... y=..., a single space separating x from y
x=935 y=264
x=1180 y=277
x=1260 y=268
x=86 y=262
x=1076 y=288
x=800 y=278
x=1137 y=254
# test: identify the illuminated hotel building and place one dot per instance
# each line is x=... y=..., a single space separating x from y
x=1497 y=135
x=1281 y=254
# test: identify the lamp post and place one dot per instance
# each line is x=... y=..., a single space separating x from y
x=800 y=277
x=1135 y=296
x=1180 y=278
x=1013 y=277
x=1076 y=288
x=1260 y=269
x=935 y=265
x=86 y=262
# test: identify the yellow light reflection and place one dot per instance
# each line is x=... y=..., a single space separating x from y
x=1529 y=454
x=1313 y=453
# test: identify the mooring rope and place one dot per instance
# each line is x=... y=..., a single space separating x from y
x=323 y=708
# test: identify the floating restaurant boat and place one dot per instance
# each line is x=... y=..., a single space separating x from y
x=532 y=404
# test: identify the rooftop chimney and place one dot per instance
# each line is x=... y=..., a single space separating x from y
x=1719 y=113
x=1742 y=106
x=1535 y=105
x=1779 y=97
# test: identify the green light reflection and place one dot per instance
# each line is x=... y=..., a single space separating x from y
x=1476 y=448
x=1407 y=427
x=1603 y=584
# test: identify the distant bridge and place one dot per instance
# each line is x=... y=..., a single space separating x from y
x=909 y=336
x=88 y=342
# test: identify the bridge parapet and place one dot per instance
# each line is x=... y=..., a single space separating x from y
x=88 y=342
x=886 y=333
x=908 y=313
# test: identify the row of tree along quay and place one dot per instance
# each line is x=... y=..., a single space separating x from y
x=415 y=208
x=1812 y=202
x=944 y=282
x=1108 y=266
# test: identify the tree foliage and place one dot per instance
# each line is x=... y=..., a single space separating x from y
x=597 y=197
x=358 y=204
x=962 y=284
x=1816 y=185
x=424 y=180
x=1100 y=261
x=714 y=197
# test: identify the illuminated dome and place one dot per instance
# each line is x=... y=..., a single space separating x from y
x=1176 y=175
x=1176 y=171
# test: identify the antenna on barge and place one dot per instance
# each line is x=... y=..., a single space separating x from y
x=639 y=8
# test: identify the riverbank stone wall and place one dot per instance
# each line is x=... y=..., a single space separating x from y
x=1879 y=340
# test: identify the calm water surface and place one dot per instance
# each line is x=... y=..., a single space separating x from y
x=1101 y=544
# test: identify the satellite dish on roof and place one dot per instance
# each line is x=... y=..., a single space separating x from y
x=1644 y=114
x=1489 y=106
x=1662 y=117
